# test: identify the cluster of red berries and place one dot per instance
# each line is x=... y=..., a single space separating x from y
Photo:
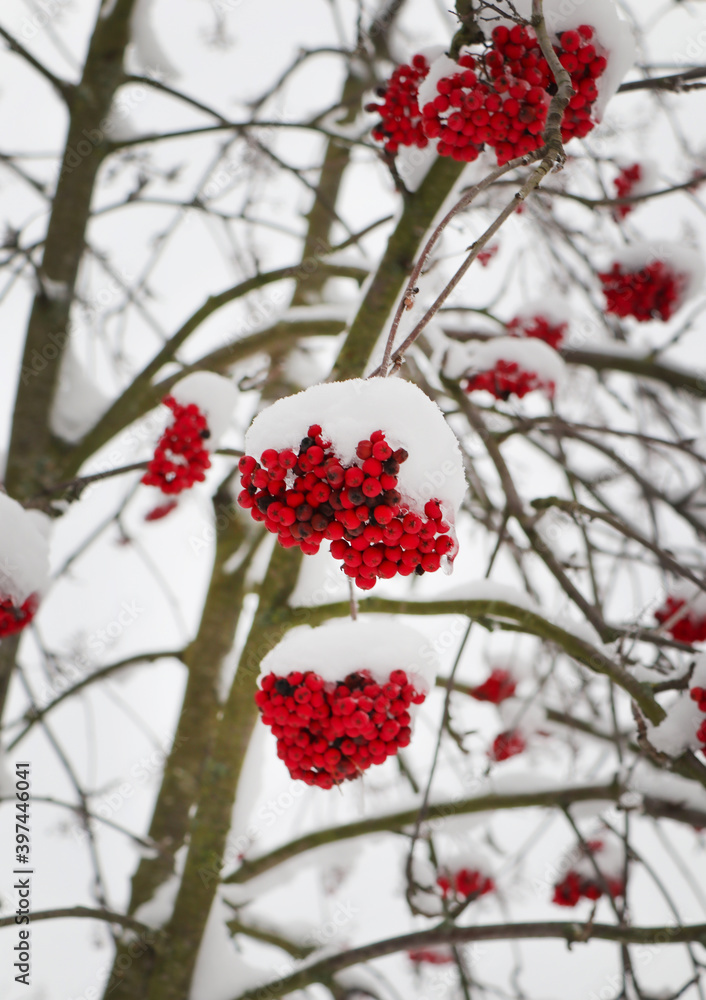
x=430 y=956
x=400 y=121
x=485 y=256
x=464 y=883
x=329 y=732
x=496 y=688
x=624 y=184
x=499 y=98
x=688 y=628
x=502 y=98
x=506 y=378
x=653 y=292
x=180 y=459
x=538 y=327
x=307 y=498
x=575 y=885
x=698 y=694
x=14 y=619
x=507 y=744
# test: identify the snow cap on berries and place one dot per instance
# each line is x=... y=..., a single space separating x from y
x=24 y=551
x=530 y=355
x=680 y=263
x=340 y=648
x=214 y=395
x=681 y=730
x=348 y=411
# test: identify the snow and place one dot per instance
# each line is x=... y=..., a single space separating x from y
x=531 y=354
x=682 y=260
x=695 y=598
x=439 y=67
x=554 y=309
x=55 y=291
x=78 y=402
x=157 y=910
x=350 y=411
x=146 y=45
x=489 y=590
x=653 y=782
x=220 y=971
x=521 y=716
x=339 y=648
x=677 y=732
x=24 y=552
x=214 y=395
x=610 y=858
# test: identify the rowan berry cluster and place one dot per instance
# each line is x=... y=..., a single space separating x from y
x=329 y=732
x=698 y=694
x=400 y=120
x=311 y=496
x=507 y=378
x=653 y=292
x=690 y=627
x=507 y=744
x=624 y=184
x=496 y=688
x=499 y=98
x=12 y=618
x=464 y=883
x=180 y=459
x=540 y=328
x=575 y=885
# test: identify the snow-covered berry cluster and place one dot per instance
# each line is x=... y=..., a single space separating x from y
x=552 y=332
x=496 y=688
x=508 y=378
x=654 y=291
x=583 y=881
x=698 y=694
x=400 y=119
x=625 y=183
x=180 y=458
x=507 y=744
x=689 y=627
x=462 y=884
x=329 y=732
x=13 y=617
x=24 y=564
x=501 y=99
x=497 y=98
x=310 y=496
